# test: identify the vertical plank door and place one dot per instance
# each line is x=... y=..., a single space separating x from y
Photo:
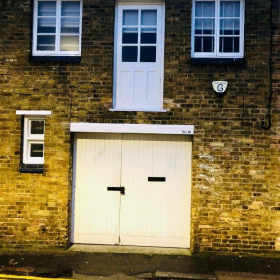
x=96 y=210
x=156 y=211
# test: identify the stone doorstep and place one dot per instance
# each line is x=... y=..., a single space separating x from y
x=129 y=250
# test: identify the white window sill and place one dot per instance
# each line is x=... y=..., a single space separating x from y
x=139 y=110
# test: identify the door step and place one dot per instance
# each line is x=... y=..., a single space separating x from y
x=129 y=250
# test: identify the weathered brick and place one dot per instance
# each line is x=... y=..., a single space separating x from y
x=235 y=163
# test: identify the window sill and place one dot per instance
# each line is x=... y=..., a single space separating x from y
x=219 y=61
x=31 y=168
x=138 y=110
x=33 y=58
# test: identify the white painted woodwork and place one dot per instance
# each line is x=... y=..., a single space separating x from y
x=132 y=128
x=139 y=85
x=33 y=112
x=156 y=213
x=97 y=166
x=150 y=213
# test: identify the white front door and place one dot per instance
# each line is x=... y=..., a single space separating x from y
x=155 y=171
x=139 y=57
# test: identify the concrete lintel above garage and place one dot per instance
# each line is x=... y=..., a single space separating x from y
x=132 y=128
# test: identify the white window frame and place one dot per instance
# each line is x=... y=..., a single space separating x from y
x=30 y=115
x=29 y=139
x=216 y=53
x=56 y=52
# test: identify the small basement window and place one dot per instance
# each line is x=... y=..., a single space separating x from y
x=33 y=141
x=34 y=137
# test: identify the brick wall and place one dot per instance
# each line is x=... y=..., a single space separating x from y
x=236 y=176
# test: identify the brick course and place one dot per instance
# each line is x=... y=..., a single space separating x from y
x=235 y=176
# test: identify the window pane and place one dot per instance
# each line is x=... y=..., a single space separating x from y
x=129 y=54
x=37 y=127
x=69 y=43
x=229 y=44
x=149 y=17
x=208 y=9
x=70 y=25
x=46 y=43
x=198 y=44
x=148 y=54
x=198 y=26
x=230 y=9
x=46 y=8
x=198 y=8
x=204 y=44
x=130 y=36
x=205 y=26
x=70 y=8
x=229 y=27
x=46 y=25
x=208 y=44
x=36 y=150
x=148 y=36
x=130 y=17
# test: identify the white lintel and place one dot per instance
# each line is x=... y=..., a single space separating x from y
x=33 y=112
x=132 y=128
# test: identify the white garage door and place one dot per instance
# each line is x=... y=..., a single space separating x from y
x=155 y=173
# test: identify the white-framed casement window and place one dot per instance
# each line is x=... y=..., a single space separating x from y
x=33 y=140
x=139 y=50
x=218 y=28
x=57 y=27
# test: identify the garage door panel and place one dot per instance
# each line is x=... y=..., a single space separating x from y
x=96 y=213
x=150 y=213
x=153 y=211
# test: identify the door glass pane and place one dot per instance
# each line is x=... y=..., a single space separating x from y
x=46 y=8
x=46 y=25
x=230 y=9
x=129 y=54
x=148 y=54
x=149 y=17
x=148 y=36
x=37 y=127
x=46 y=43
x=69 y=43
x=70 y=25
x=130 y=36
x=70 y=8
x=130 y=17
x=36 y=150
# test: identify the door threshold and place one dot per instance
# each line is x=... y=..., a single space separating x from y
x=129 y=250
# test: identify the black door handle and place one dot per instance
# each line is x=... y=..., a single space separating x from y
x=115 y=189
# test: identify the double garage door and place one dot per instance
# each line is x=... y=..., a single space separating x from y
x=132 y=189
